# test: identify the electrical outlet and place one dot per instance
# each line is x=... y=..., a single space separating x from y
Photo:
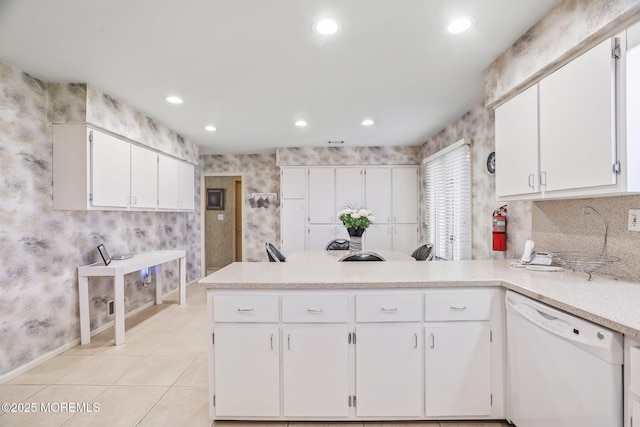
x=110 y=308
x=634 y=220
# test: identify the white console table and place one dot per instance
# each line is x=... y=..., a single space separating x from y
x=117 y=269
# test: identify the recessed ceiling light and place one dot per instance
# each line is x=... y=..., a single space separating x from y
x=300 y=123
x=325 y=26
x=173 y=99
x=210 y=128
x=460 y=24
x=367 y=122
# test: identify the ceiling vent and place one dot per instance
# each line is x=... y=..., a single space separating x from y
x=335 y=142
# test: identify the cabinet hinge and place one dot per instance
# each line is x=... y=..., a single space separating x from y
x=616 y=167
x=213 y=338
x=617 y=53
x=90 y=136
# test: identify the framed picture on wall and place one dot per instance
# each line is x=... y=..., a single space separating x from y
x=215 y=199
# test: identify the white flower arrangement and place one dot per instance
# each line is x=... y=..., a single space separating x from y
x=356 y=218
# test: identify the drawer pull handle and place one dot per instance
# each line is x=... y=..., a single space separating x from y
x=415 y=337
x=454 y=308
x=288 y=341
x=272 y=342
x=433 y=341
x=315 y=310
x=245 y=310
x=389 y=310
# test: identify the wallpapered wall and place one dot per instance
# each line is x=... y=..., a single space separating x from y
x=478 y=124
x=567 y=29
x=259 y=175
x=41 y=248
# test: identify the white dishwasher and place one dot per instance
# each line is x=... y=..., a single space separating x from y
x=562 y=371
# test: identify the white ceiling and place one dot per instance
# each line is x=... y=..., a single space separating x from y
x=254 y=67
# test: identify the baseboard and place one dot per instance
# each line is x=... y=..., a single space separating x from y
x=67 y=346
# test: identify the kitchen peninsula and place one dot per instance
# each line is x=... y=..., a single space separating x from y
x=284 y=336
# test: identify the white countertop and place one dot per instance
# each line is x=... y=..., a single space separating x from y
x=611 y=303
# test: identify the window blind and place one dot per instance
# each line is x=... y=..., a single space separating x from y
x=448 y=201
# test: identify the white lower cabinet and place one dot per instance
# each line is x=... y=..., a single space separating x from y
x=388 y=382
x=315 y=363
x=246 y=371
x=458 y=369
x=340 y=355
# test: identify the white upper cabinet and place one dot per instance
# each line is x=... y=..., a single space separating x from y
x=349 y=182
x=168 y=186
x=187 y=186
x=404 y=188
x=575 y=139
x=110 y=171
x=293 y=183
x=517 y=144
x=577 y=122
x=176 y=181
x=95 y=170
x=390 y=192
x=322 y=193
x=144 y=178
x=377 y=193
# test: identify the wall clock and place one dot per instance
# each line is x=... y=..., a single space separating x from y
x=491 y=163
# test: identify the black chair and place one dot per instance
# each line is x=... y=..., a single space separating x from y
x=337 y=245
x=362 y=256
x=423 y=253
x=274 y=253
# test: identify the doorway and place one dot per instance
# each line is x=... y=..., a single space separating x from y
x=222 y=221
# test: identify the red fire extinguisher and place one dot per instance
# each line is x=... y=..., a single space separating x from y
x=500 y=229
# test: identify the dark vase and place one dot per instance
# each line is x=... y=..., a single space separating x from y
x=355 y=239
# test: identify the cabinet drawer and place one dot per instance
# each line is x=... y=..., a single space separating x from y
x=388 y=308
x=634 y=362
x=245 y=308
x=457 y=306
x=315 y=309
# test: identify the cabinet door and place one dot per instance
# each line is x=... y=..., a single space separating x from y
x=315 y=363
x=377 y=193
x=110 y=171
x=322 y=196
x=348 y=189
x=405 y=238
x=292 y=225
x=293 y=183
x=379 y=237
x=404 y=185
x=577 y=145
x=319 y=235
x=144 y=178
x=517 y=144
x=458 y=369
x=187 y=186
x=246 y=372
x=388 y=360
x=168 y=182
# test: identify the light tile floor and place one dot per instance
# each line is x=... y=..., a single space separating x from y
x=157 y=378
